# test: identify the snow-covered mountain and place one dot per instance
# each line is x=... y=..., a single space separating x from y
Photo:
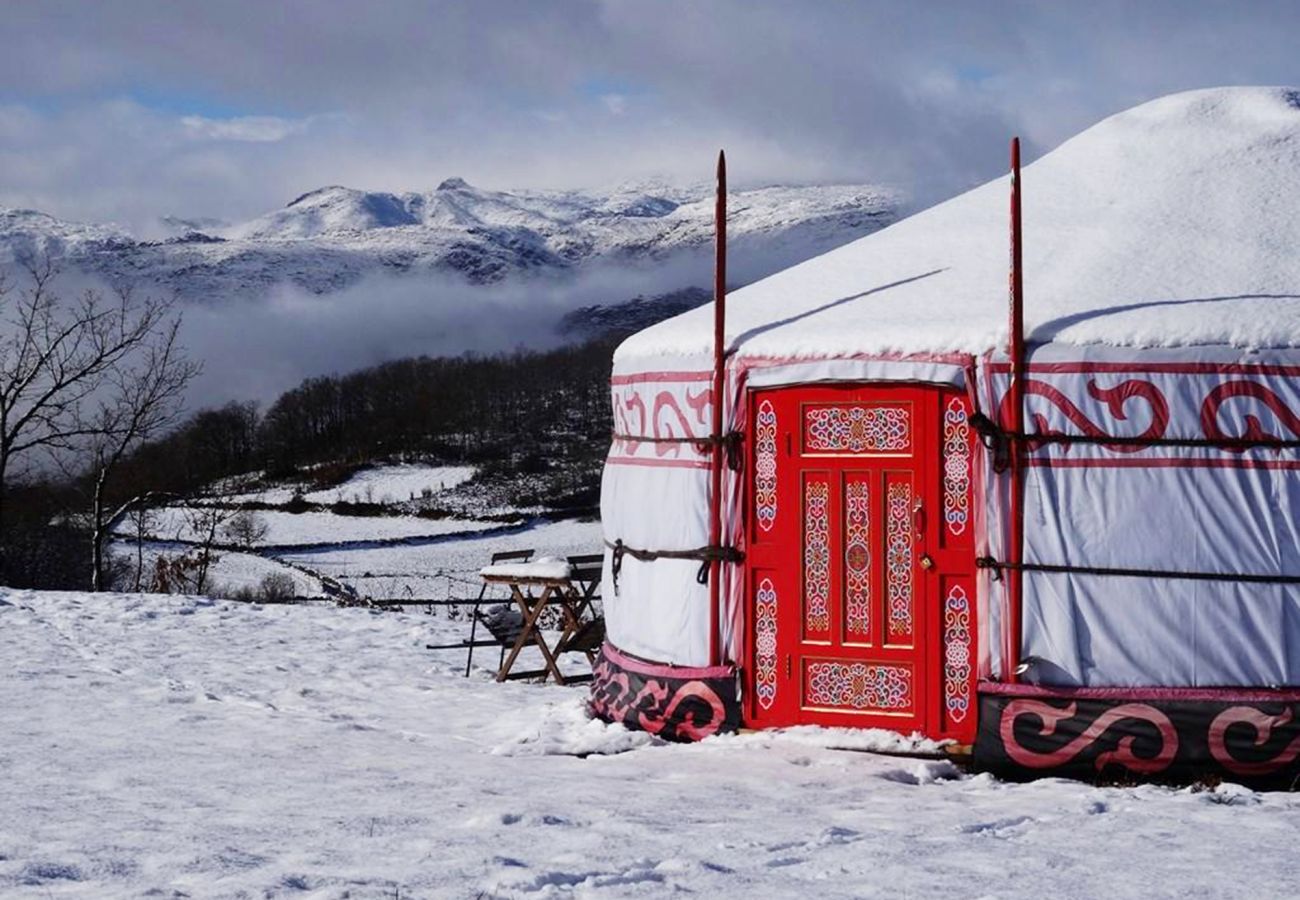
x=332 y=237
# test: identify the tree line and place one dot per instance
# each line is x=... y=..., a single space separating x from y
x=96 y=383
x=519 y=412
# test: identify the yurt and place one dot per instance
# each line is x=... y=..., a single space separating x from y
x=1018 y=472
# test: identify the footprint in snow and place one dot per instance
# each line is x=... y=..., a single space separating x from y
x=927 y=772
x=838 y=835
x=1008 y=827
x=781 y=862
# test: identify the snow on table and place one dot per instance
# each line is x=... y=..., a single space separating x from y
x=547 y=567
x=155 y=745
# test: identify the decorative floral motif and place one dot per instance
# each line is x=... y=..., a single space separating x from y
x=857 y=429
x=854 y=685
x=956 y=467
x=765 y=643
x=956 y=653
x=857 y=559
x=898 y=558
x=817 y=557
x=765 y=465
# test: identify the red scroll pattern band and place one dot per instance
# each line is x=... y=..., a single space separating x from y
x=1212 y=406
x=1263 y=724
x=666 y=412
x=1123 y=755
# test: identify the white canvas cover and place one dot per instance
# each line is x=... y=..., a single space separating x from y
x=1164 y=236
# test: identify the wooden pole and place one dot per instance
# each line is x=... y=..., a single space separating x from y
x=719 y=392
x=1016 y=350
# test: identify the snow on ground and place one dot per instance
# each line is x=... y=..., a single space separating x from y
x=286 y=529
x=441 y=570
x=172 y=746
x=381 y=484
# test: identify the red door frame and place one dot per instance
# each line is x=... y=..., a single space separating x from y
x=796 y=526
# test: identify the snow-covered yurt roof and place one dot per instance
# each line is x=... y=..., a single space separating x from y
x=1174 y=223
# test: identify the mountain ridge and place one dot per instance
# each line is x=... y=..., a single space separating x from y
x=332 y=237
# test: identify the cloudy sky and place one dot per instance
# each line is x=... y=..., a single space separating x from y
x=127 y=111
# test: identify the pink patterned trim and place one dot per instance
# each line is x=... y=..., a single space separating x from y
x=656 y=422
x=857 y=558
x=859 y=686
x=1153 y=368
x=956 y=467
x=945 y=358
x=956 y=653
x=660 y=377
x=765 y=644
x=662 y=670
x=765 y=465
x=1208 y=402
x=898 y=557
x=1263 y=724
x=817 y=556
x=1049 y=716
x=858 y=429
x=1224 y=694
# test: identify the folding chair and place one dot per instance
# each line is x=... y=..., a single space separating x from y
x=503 y=635
x=504 y=556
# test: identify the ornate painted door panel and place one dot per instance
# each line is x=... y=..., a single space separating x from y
x=859 y=559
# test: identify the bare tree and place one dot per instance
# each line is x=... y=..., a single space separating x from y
x=142 y=397
x=55 y=355
x=205 y=523
x=143 y=520
x=246 y=528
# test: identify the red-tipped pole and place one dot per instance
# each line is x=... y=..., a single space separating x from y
x=1016 y=350
x=719 y=390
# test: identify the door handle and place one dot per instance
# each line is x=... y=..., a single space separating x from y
x=918 y=517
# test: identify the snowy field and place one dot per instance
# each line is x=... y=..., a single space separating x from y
x=445 y=569
x=286 y=529
x=169 y=746
x=381 y=484
x=230 y=570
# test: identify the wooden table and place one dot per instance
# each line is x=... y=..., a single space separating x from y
x=533 y=595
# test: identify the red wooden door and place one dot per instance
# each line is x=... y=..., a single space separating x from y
x=860 y=559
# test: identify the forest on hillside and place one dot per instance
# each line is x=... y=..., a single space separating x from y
x=536 y=424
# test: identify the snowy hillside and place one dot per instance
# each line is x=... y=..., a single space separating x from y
x=173 y=746
x=331 y=238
